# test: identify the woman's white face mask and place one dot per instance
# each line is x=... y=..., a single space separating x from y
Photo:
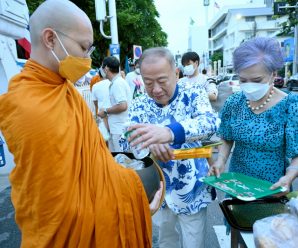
x=255 y=91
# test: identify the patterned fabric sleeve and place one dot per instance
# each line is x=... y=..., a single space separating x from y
x=225 y=130
x=137 y=111
x=203 y=122
x=291 y=131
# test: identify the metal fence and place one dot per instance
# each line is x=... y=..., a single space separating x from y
x=84 y=90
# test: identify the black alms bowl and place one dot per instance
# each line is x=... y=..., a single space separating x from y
x=150 y=176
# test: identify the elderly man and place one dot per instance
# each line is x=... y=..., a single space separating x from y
x=67 y=189
x=180 y=116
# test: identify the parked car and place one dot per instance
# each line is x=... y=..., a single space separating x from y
x=278 y=82
x=211 y=80
x=219 y=79
x=231 y=80
x=292 y=83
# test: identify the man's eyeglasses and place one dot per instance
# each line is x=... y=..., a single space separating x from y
x=89 y=51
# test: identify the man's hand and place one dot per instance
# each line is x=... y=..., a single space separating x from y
x=149 y=134
x=101 y=113
x=162 y=152
x=156 y=200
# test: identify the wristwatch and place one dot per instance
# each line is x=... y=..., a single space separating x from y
x=105 y=111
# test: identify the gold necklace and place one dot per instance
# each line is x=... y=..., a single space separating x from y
x=262 y=105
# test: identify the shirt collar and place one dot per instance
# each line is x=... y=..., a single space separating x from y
x=172 y=99
x=114 y=78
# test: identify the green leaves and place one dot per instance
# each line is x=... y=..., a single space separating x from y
x=137 y=25
x=287 y=27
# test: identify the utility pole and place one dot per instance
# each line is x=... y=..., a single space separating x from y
x=113 y=21
x=254 y=28
x=206 y=4
x=100 y=8
x=295 y=60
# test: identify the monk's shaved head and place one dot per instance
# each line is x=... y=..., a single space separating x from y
x=60 y=15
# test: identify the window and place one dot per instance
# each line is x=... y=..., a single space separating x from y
x=248 y=35
x=269 y=18
x=249 y=18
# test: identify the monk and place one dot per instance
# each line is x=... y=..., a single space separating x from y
x=66 y=188
x=97 y=78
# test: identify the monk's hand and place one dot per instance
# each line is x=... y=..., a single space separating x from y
x=162 y=152
x=216 y=169
x=156 y=200
x=149 y=134
x=285 y=182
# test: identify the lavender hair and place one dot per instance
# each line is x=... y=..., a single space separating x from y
x=260 y=50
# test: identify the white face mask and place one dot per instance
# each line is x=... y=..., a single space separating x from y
x=254 y=91
x=189 y=70
x=137 y=70
x=102 y=72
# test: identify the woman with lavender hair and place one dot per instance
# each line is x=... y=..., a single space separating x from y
x=261 y=120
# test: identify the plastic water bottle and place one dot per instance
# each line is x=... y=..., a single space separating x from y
x=137 y=151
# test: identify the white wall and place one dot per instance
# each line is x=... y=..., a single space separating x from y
x=13 y=22
x=238 y=30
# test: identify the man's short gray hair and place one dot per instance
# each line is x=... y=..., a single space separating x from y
x=158 y=52
x=259 y=50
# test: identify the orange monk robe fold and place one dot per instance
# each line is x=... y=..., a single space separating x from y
x=67 y=189
x=94 y=80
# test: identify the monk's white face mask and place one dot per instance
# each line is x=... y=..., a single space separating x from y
x=71 y=67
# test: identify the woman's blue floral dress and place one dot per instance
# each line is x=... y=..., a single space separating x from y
x=264 y=142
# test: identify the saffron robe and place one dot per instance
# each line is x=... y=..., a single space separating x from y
x=67 y=189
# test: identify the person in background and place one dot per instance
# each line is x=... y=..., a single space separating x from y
x=171 y=116
x=135 y=81
x=191 y=61
x=101 y=99
x=95 y=79
x=179 y=73
x=82 y=81
x=123 y=75
x=261 y=122
x=120 y=99
x=67 y=189
x=204 y=72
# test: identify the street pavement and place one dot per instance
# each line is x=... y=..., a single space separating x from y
x=10 y=236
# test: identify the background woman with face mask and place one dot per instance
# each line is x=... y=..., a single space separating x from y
x=261 y=121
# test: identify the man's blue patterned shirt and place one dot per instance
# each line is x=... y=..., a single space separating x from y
x=189 y=115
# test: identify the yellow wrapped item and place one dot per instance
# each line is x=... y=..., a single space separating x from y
x=198 y=152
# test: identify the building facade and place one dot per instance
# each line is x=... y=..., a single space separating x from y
x=232 y=26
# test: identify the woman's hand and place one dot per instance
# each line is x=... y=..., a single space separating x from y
x=285 y=182
x=216 y=169
x=222 y=157
x=156 y=200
